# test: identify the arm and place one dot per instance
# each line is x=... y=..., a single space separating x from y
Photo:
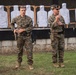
x=26 y=29
x=29 y=29
x=62 y=20
x=52 y=22
x=12 y=24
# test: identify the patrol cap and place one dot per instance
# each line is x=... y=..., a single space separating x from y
x=55 y=7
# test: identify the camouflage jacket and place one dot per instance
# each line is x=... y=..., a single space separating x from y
x=22 y=22
x=54 y=27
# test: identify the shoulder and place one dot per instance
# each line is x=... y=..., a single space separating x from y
x=28 y=18
x=61 y=16
x=17 y=17
x=52 y=16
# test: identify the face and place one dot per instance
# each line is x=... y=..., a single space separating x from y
x=22 y=11
x=56 y=11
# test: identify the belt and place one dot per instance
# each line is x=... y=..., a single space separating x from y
x=60 y=32
x=24 y=34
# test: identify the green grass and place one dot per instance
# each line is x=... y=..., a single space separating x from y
x=42 y=65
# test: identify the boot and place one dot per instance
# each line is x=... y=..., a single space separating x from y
x=56 y=65
x=31 y=67
x=61 y=65
x=18 y=65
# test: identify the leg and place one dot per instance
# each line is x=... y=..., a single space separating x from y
x=55 y=53
x=20 y=43
x=54 y=43
x=29 y=50
x=61 y=51
x=61 y=48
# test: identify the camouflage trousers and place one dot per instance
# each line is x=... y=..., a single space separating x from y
x=27 y=43
x=57 y=42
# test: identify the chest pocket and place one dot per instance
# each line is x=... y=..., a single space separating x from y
x=25 y=25
x=22 y=23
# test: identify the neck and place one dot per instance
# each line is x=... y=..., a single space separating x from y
x=55 y=14
x=22 y=15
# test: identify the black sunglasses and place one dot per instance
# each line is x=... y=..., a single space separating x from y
x=57 y=9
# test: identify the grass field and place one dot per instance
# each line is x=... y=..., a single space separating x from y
x=42 y=65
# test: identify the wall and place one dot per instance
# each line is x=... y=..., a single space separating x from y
x=39 y=45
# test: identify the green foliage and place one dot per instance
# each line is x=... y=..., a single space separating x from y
x=42 y=65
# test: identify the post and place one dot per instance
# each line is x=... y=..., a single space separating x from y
x=35 y=21
x=8 y=13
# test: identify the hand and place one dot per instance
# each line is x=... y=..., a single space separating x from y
x=57 y=18
x=59 y=23
x=15 y=31
x=20 y=30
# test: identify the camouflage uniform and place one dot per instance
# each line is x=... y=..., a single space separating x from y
x=24 y=38
x=57 y=39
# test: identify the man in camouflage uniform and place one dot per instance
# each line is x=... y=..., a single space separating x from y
x=23 y=32
x=57 y=23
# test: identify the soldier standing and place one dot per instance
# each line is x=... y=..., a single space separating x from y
x=23 y=31
x=57 y=23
